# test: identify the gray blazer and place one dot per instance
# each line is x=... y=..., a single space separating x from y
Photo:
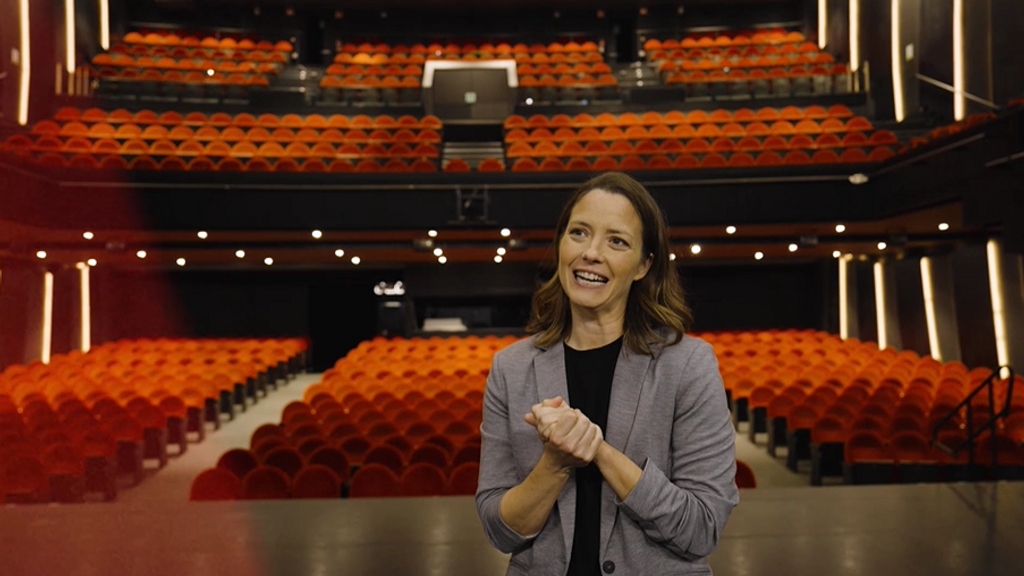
x=667 y=413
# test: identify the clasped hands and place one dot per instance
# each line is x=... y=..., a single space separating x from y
x=570 y=439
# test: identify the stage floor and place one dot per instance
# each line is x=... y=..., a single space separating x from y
x=921 y=530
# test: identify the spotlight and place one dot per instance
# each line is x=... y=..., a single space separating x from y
x=943 y=226
x=793 y=247
x=497 y=259
x=41 y=255
x=209 y=72
x=730 y=229
x=758 y=255
x=505 y=232
x=501 y=251
x=356 y=260
x=529 y=101
x=671 y=256
x=317 y=234
x=141 y=253
x=438 y=252
x=180 y=261
x=240 y=254
x=339 y=253
x=840 y=228
x=432 y=233
x=202 y=234
x=882 y=245
x=91 y=262
x=268 y=261
x=836 y=253
x=87 y=235
x=695 y=249
x=442 y=260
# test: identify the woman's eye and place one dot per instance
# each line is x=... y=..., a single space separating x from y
x=575 y=232
x=620 y=242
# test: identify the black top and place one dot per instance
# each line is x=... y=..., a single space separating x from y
x=589 y=374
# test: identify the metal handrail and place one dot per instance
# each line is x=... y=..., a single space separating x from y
x=990 y=425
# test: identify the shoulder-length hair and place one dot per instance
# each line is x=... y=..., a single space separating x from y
x=655 y=302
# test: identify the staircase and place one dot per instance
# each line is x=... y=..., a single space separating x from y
x=472 y=152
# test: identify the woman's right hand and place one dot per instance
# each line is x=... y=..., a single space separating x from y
x=571 y=440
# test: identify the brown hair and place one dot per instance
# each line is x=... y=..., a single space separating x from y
x=655 y=301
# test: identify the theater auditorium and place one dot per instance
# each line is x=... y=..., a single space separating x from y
x=257 y=259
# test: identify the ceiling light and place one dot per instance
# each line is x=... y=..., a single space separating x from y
x=339 y=253
x=695 y=249
x=529 y=101
x=240 y=254
x=758 y=255
x=793 y=247
x=356 y=260
x=840 y=228
x=506 y=232
x=671 y=255
x=317 y=234
x=180 y=261
x=836 y=253
x=202 y=234
x=91 y=262
x=730 y=229
x=943 y=226
x=141 y=253
x=268 y=261
x=41 y=254
x=501 y=251
x=497 y=259
x=438 y=251
x=882 y=245
x=442 y=260
x=432 y=233
x=87 y=235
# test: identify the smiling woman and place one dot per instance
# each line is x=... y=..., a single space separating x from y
x=609 y=391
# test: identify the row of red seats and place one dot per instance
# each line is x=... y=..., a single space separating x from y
x=243 y=119
x=252 y=54
x=258 y=134
x=581 y=68
x=228 y=43
x=366 y=81
x=469 y=48
x=257 y=61
x=175 y=76
x=374 y=70
x=752 y=51
x=485 y=165
x=713 y=160
x=949 y=130
x=741 y=75
x=219 y=148
x=717 y=116
x=833 y=127
x=417 y=59
x=696 y=145
x=211 y=164
x=726 y=39
x=779 y=61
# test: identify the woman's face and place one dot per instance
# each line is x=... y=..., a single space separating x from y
x=601 y=254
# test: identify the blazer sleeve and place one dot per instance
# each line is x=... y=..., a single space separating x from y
x=497 y=464
x=685 y=508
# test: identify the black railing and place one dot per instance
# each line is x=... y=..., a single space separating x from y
x=990 y=425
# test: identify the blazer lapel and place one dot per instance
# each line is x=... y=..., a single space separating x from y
x=549 y=369
x=630 y=374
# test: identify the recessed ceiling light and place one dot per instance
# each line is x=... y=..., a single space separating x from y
x=202 y=234
x=180 y=261
x=506 y=232
x=317 y=234
x=438 y=251
x=442 y=260
x=88 y=235
x=497 y=259
x=840 y=228
x=671 y=255
x=943 y=226
x=356 y=260
x=882 y=245
x=339 y=253
x=91 y=262
x=501 y=251
x=730 y=229
x=41 y=254
x=240 y=254
x=793 y=247
x=141 y=253
x=836 y=253
x=268 y=261
x=758 y=255
x=695 y=249
x=432 y=233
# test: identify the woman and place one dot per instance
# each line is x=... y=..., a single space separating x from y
x=607 y=442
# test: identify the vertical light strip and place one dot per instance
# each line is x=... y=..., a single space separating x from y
x=105 y=24
x=928 y=289
x=844 y=300
x=86 y=313
x=995 y=286
x=24 y=64
x=883 y=325
x=959 y=102
x=822 y=23
x=69 y=35
x=47 y=317
x=897 y=63
x=854 y=35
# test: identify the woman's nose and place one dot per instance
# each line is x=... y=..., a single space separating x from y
x=592 y=253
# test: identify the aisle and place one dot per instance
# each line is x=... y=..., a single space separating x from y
x=173 y=482
x=770 y=472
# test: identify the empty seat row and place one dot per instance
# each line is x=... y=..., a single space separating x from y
x=254 y=55
x=50 y=160
x=133 y=75
x=468 y=48
x=558 y=69
x=785 y=63
x=152 y=132
x=242 y=120
x=709 y=131
x=743 y=38
x=259 y=60
x=417 y=59
x=711 y=160
x=374 y=70
x=173 y=39
x=753 y=51
x=718 y=116
x=369 y=81
x=220 y=148
x=698 y=145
